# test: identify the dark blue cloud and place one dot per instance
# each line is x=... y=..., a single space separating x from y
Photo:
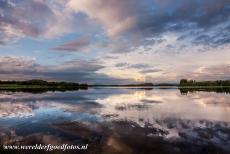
x=154 y=18
x=16 y=68
x=23 y=18
x=190 y=17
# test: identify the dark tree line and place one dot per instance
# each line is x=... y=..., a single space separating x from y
x=44 y=83
x=185 y=82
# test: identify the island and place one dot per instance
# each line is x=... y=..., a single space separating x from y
x=40 y=86
x=194 y=83
x=222 y=86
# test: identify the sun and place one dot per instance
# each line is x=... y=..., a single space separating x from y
x=139 y=78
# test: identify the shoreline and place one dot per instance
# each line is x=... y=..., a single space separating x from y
x=15 y=87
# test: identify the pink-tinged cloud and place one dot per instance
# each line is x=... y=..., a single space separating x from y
x=76 y=45
x=218 y=72
x=116 y=16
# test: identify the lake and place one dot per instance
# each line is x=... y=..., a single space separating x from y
x=119 y=120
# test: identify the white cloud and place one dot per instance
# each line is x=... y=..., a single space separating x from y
x=115 y=16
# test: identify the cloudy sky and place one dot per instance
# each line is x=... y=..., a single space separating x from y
x=114 y=41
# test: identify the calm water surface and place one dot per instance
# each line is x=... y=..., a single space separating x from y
x=118 y=120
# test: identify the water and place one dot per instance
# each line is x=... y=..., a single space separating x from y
x=119 y=120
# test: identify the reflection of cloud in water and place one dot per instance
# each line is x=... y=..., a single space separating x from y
x=131 y=119
x=131 y=107
x=129 y=136
x=87 y=107
x=136 y=107
x=21 y=105
x=82 y=107
x=150 y=101
x=211 y=98
x=12 y=110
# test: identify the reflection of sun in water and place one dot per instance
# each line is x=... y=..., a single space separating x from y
x=139 y=94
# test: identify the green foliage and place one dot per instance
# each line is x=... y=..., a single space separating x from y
x=185 y=82
x=40 y=84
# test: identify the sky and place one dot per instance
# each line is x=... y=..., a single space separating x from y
x=115 y=41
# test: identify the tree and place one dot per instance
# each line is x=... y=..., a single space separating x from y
x=183 y=81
